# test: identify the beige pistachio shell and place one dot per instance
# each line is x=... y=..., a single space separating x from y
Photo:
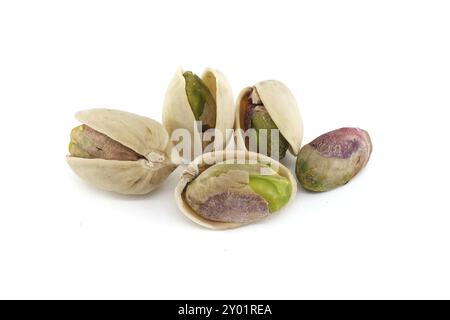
x=207 y=160
x=143 y=135
x=126 y=177
x=282 y=108
x=177 y=113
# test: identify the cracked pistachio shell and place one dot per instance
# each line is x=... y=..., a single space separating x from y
x=282 y=108
x=144 y=136
x=208 y=164
x=333 y=159
x=178 y=114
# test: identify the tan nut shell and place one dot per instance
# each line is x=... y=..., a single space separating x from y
x=177 y=113
x=206 y=160
x=143 y=135
x=282 y=108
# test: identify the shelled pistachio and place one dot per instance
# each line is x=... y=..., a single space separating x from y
x=333 y=159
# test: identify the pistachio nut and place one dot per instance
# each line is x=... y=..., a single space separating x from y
x=120 y=151
x=271 y=110
x=332 y=159
x=228 y=189
x=207 y=100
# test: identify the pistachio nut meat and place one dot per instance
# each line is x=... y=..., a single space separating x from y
x=202 y=107
x=120 y=151
x=228 y=189
x=333 y=159
x=268 y=120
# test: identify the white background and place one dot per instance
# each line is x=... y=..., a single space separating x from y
x=380 y=65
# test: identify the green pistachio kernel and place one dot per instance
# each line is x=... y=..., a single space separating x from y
x=201 y=100
x=276 y=190
x=261 y=119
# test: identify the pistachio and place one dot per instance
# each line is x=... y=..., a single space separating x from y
x=333 y=159
x=207 y=99
x=119 y=151
x=223 y=194
x=201 y=100
x=85 y=142
x=268 y=114
x=258 y=118
x=237 y=192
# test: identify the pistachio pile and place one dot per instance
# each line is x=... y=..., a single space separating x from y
x=222 y=187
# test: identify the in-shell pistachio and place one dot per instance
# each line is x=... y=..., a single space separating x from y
x=221 y=194
x=267 y=115
x=237 y=192
x=120 y=151
x=192 y=100
x=332 y=159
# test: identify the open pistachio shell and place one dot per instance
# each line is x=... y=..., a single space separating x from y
x=282 y=108
x=144 y=136
x=178 y=114
x=261 y=196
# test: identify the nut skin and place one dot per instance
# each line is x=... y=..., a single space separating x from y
x=86 y=142
x=333 y=159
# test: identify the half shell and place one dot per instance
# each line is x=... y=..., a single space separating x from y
x=207 y=160
x=282 y=108
x=143 y=135
x=177 y=113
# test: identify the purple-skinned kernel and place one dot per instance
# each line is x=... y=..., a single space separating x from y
x=333 y=159
x=234 y=207
x=341 y=143
x=86 y=142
